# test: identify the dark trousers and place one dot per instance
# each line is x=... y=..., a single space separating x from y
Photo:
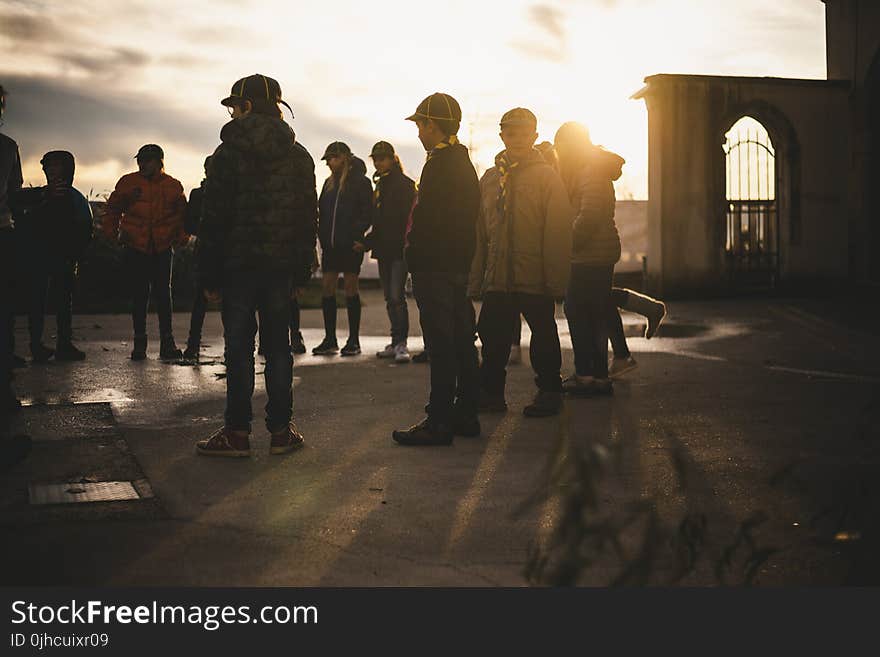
x=7 y=305
x=197 y=318
x=55 y=281
x=618 y=300
x=499 y=314
x=587 y=307
x=270 y=297
x=150 y=273
x=448 y=326
x=393 y=274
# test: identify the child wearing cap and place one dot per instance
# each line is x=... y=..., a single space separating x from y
x=146 y=214
x=392 y=204
x=439 y=253
x=521 y=264
x=344 y=215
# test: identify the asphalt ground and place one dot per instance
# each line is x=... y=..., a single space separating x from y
x=742 y=450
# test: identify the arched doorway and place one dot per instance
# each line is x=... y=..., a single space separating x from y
x=751 y=237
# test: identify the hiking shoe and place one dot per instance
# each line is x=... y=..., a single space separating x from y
x=224 y=442
x=467 y=426
x=40 y=353
x=422 y=357
x=492 y=403
x=169 y=351
x=351 y=349
x=191 y=352
x=515 y=355
x=139 y=351
x=286 y=440
x=67 y=352
x=587 y=386
x=387 y=352
x=546 y=403
x=620 y=366
x=401 y=354
x=297 y=345
x=326 y=348
x=425 y=433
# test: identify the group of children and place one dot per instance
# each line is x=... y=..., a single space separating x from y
x=537 y=228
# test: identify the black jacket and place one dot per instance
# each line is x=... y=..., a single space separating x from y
x=194 y=210
x=443 y=233
x=259 y=207
x=343 y=221
x=52 y=227
x=392 y=204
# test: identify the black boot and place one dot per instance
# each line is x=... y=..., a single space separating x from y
x=41 y=353
x=168 y=349
x=425 y=433
x=192 y=351
x=492 y=403
x=65 y=351
x=467 y=426
x=546 y=403
x=353 y=346
x=139 y=351
x=328 y=345
x=297 y=345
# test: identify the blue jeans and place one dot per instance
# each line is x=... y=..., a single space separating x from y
x=242 y=299
x=393 y=274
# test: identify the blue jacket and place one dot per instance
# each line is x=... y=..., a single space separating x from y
x=344 y=218
x=53 y=226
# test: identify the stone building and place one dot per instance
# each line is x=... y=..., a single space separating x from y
x=762 y=182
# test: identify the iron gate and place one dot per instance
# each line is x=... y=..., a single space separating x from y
x=752 y=218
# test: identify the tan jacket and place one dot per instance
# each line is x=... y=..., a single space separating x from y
x=528 y=250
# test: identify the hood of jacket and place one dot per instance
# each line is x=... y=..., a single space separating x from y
x=263 y=136
x=358 y=167
x=606 y=164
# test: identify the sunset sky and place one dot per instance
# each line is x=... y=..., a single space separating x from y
x=102 y=78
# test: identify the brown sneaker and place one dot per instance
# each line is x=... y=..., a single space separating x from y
x=225 y=442
x=286 y=440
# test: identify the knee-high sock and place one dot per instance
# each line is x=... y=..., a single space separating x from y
x=328 y=305
x=354 y=317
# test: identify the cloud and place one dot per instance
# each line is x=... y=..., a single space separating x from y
x=550 y=19
x=551 y=43
x=108 y=63
x=102 y=125
x=27 y=27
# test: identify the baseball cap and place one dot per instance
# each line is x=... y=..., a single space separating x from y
x=437 y=106
x=519 y=116
x=255 y=87
x=382 y=149
x=150 y=152
x=336 y=148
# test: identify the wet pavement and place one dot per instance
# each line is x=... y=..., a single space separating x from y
x=743 y=423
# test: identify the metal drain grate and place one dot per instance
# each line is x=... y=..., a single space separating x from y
x=72 y=493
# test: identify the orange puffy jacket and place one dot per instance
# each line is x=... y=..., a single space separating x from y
x=146 y=215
